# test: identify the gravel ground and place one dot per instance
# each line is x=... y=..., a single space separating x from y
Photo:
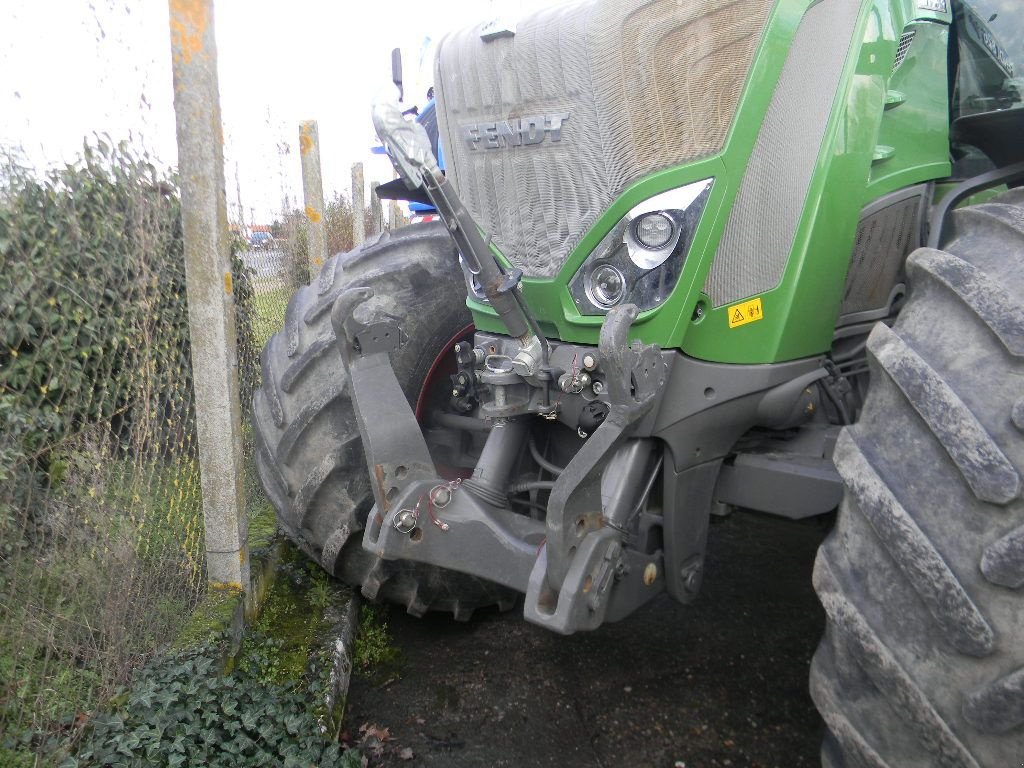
x=721 y=682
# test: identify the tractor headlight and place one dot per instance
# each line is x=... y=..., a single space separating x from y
x=650 y=233
x=641 y=259
x=607 y=286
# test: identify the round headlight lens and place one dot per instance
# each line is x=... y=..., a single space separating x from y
x=607 y=285
x=654 y=230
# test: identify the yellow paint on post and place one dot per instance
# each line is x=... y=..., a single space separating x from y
x=305 y=141
x=226 y=586
x=745 y=312
x=189 y=20
x=312 y=214
x=228 y=285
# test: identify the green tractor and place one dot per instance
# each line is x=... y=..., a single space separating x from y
x=695 y=254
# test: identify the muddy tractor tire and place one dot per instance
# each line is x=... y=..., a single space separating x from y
x=309 y=453
x=922 y=579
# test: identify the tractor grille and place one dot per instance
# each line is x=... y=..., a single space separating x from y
x=646 y=85
x=901 y=53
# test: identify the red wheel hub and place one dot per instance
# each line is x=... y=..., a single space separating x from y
x=436 y=386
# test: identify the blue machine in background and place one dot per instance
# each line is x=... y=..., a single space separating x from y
x=419 y=204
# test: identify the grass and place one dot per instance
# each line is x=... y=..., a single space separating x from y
x=106 y=581
x=112 y=571
x=262 y=518
x=210 y=618
x=270 y=304
x=374 y=646
x=291 y=619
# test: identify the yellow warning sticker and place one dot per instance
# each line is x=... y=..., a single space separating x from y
x=747 y=312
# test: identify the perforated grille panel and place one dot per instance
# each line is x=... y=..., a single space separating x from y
x=758 y=238
x=901 y=52
x=647 y=85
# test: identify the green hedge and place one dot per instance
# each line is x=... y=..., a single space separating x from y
x=93 y=312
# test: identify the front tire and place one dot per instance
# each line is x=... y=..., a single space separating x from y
x=922 y=663
x=309 y=454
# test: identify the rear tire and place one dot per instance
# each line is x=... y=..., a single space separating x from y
x=922 y=663
x=309 y=454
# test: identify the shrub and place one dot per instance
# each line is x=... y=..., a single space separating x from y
x=338 y=219
x=100 y=508
x=93 y=307
x=182 y=712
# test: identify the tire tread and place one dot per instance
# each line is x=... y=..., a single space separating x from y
x=309 y=454
x=930 y=535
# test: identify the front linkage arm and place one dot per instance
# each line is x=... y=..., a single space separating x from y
x=569 y=568
x=571 y=586
x=468 y=535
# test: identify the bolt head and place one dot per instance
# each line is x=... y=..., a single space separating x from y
x=690 y=575
x=589 y=362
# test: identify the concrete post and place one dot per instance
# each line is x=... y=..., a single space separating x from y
x=313 y=191
x=395 y=217
x=376 y=212
x=358 y=206
x=211 y=304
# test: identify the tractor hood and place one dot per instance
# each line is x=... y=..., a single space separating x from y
x=545 y=125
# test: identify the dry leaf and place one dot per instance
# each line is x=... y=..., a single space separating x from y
x=373 y=738
x=374 y=732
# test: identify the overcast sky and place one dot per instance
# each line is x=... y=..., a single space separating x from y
x=71 y=68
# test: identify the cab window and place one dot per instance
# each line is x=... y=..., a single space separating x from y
x=987 y=72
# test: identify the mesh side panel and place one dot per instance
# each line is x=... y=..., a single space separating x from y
x=762 y=224
x=647 y=86
x=884 y=239
x=901 y=53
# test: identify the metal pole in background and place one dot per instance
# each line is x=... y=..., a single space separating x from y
x=376 y=212
x=313 y=191
x=358 y=206
x=211 y=304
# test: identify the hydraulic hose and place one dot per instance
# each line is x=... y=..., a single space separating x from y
x=554 y=469
x=532 y=485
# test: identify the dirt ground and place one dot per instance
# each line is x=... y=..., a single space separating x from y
x=722 y=682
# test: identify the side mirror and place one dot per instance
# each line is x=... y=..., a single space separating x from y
x=396 y=71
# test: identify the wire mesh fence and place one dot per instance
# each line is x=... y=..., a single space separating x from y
x=101 y=517
x=101 y=524
x=102 y=537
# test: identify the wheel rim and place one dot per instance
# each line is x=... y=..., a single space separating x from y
x=435 y=385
